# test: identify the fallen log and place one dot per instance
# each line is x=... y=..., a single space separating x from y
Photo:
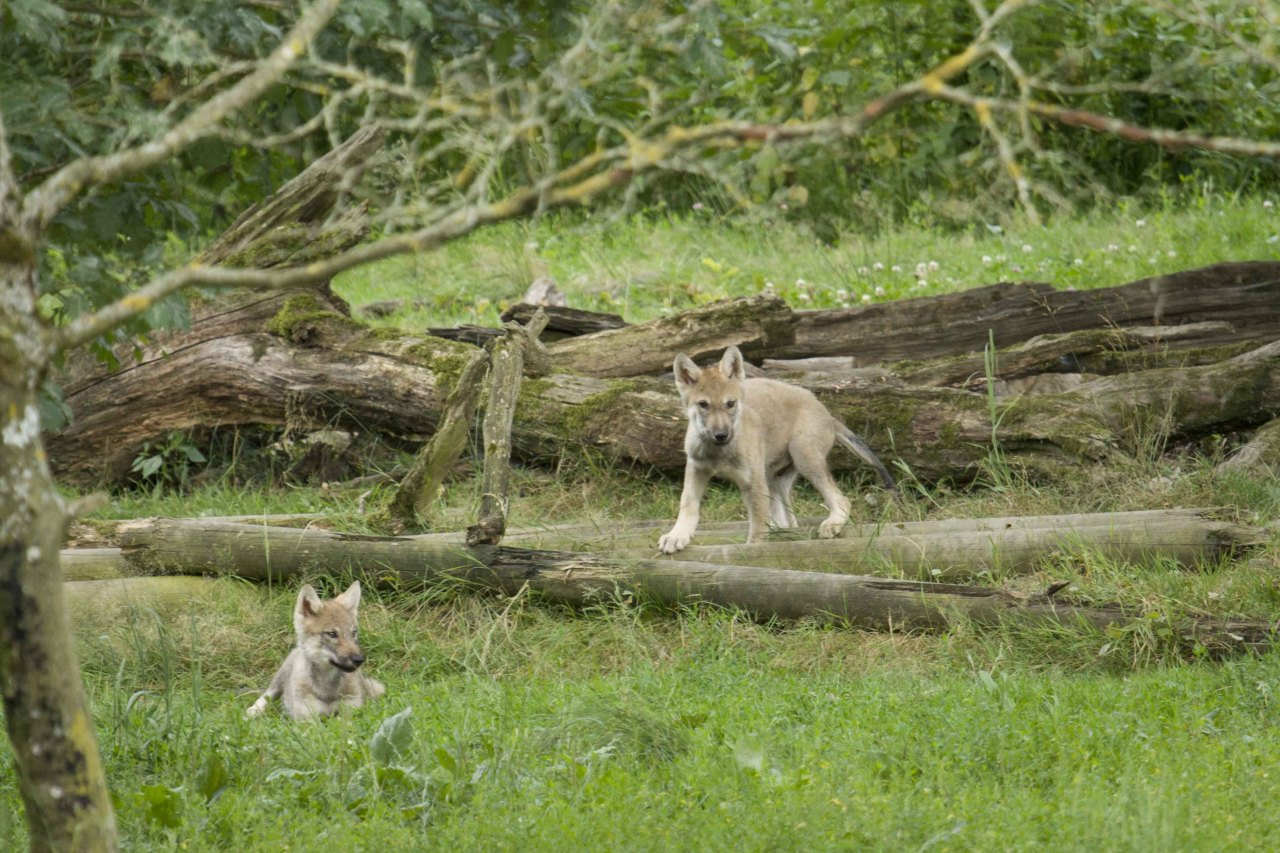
x=949 y=549
x=190 y=547
x=563 y=322
x=348 y=377
x=755 y=325
x=93 y=564
x=1245 y=295
x=1089 y=351
x=410 y=504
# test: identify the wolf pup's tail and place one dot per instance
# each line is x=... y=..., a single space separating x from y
x=866 y=454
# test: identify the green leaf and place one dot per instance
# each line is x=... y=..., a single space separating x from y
x=393 y=740
x=211 y=781
x=161 y=805
x=446 y=760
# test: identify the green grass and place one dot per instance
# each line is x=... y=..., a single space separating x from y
x=643 y=267
x=533 y=726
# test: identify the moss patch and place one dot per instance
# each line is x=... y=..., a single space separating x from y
x=304 y=317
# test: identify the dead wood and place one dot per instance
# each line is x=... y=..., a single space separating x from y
x=1260 y=453
x=563 y=322
x=506 y=359
x=308 y=364
x=755 y=325
x=1245 y=295
x=1087 y=351
x=947 y=549
x=192 y=547
x=410 y=504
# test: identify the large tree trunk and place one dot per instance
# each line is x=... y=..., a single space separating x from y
x=273 y=554
x=55 y=750
x=46 y=713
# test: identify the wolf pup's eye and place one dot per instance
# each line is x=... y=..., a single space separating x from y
x=333 y=635
x=702 y=404
x=729 y=404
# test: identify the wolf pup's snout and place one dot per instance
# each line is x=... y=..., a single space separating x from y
x=350 y=663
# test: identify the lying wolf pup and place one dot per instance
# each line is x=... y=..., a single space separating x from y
x=320 y=674
x=761 y=434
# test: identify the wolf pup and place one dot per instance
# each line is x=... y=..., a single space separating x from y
x=321 y=673
x=761 y=434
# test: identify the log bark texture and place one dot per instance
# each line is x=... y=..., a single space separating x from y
x=304 y=362
x=756 y=325
x=266 y=554
x=950 y=549
x=1246 y=295
x=410 y=504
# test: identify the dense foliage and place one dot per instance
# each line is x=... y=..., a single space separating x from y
x=514 y=89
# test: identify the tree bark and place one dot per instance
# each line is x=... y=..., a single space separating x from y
x=1246 y=295
x=410 y=503
x=506 y=371
x=755 y=325
x=950 y=549
x=304 y=361
x=193 y=547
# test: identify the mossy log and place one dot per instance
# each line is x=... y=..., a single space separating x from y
x=266 y=554
x=1245 y=295
x=92 y=564
x=1087 y=351
x=756 y=325
x=946 y=549
x=410 y=504
x=300 y=359
x=506 y=373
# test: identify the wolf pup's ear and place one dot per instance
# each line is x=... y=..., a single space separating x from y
x=351 y=598
x=686 y=371
x=731 y=364
x=308 y=602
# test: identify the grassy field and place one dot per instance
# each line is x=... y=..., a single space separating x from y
x=642 y=267
x=511 y=723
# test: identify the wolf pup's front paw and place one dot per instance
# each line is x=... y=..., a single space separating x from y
x=257 y=708
x=673 y=541
x=830 y=529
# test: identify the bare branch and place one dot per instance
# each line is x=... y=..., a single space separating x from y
x=577 y=183
x=1112 y=126
x=59 y=189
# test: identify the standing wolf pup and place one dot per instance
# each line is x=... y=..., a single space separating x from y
x=761 y=434
x=320 y=674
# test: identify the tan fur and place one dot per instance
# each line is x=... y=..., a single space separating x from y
x=322 y=674
x=760 y=434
